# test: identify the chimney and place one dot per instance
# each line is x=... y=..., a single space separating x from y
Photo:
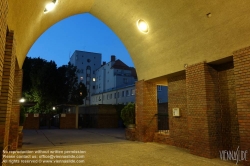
x=112 y=58
x=103 y=63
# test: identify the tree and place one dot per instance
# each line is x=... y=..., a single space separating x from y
x=79 y=92
x=48 y=85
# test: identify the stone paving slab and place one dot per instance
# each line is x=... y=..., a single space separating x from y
x=108 y=148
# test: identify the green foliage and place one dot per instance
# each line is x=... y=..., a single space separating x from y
x=22 y=116
x=48 y=85
x=119 y=108
x=128 y=114
x=79 y=92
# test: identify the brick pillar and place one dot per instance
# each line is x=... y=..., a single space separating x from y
x=3 y=30
x=7 y=91
x=203 y=110
x=146 y=108
x=15 y=110
x=242 y=87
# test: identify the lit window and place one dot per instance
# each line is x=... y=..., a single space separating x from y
x=94 y=79
x=132 y=92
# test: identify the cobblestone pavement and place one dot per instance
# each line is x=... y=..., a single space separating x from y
x=107 y=147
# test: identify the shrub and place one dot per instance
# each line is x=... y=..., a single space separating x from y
x=128 y=114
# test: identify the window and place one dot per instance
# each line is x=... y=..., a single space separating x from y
x=125 y=80
x=117 y=94
x=93 y=87
x=159 y=87
x=114 y=95
x=132 y=92
x=122 y=93
x=81 y=78
x=107 y=96
x=93 y=79
x=111 y=96
x=127 y=93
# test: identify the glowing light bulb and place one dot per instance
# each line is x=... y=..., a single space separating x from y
x=50 y=6
x=142 y=26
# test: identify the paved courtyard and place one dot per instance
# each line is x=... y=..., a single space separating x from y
x=99 y=147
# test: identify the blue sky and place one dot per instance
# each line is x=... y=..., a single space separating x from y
x=80 y=32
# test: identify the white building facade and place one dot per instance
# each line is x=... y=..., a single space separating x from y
x=109 y=83
x=86 y=63
x=114 y=83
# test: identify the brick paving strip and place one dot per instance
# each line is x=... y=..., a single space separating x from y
x=107 y=148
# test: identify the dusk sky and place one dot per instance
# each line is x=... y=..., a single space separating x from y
x=80 y=32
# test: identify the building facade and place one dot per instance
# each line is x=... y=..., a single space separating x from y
x=86 y=63
x=115 y=84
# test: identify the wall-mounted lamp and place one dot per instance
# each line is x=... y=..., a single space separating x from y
x=22 y=100
x=143 y=26
x=50 y=6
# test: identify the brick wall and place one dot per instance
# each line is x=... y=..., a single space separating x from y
x=146 y=110
x=31 y=122
x=15 y=110
x=178 y=99
x=228 y=107
x=163 y=139
x=242 y=87
x=203 y=110
x=3 y=30
x=7 y=89
x=68 y=122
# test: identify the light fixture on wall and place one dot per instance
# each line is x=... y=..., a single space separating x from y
x=143 y=26
x=50 y=6
x=22 y=100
